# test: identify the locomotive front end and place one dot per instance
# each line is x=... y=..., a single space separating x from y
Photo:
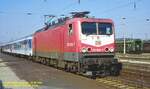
x=98 y=48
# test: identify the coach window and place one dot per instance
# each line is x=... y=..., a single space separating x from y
x=70 y=29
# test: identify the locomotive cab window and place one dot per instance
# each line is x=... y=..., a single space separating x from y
x=70 y=29
x=93 y=28
x=105 y=28
x=89 y=28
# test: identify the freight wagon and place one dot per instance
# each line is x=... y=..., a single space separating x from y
x=146 y=46
x=131 y=45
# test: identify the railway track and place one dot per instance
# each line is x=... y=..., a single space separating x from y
x=129 y=79
x=143 y=55
x=136 y=77
x=135 y=74
x=136 y=58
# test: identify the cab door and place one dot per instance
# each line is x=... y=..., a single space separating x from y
x=70 y=43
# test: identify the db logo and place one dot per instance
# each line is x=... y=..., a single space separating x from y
x=97 y=43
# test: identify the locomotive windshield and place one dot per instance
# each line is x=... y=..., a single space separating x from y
x=93 y=28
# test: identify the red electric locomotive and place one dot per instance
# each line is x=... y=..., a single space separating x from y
x=78 y=44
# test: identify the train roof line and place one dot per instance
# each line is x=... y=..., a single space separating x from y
x=54 y=24
x=51 y=25
x=17 y=40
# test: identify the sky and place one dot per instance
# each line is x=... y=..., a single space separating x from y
x=19 y=18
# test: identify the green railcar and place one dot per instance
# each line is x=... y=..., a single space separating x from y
x=131 y=45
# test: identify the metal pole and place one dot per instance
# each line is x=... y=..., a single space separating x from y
x=124 y=39
x=124 y=44
x=146 y=35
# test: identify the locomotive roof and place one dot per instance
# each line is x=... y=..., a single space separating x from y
x=62 y=20
x=67 y=19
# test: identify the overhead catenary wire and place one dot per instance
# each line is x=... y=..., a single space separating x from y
x=134 y=3
x=121 y=6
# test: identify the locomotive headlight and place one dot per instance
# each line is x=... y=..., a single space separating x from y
x=111 y=50
x=84 y=50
